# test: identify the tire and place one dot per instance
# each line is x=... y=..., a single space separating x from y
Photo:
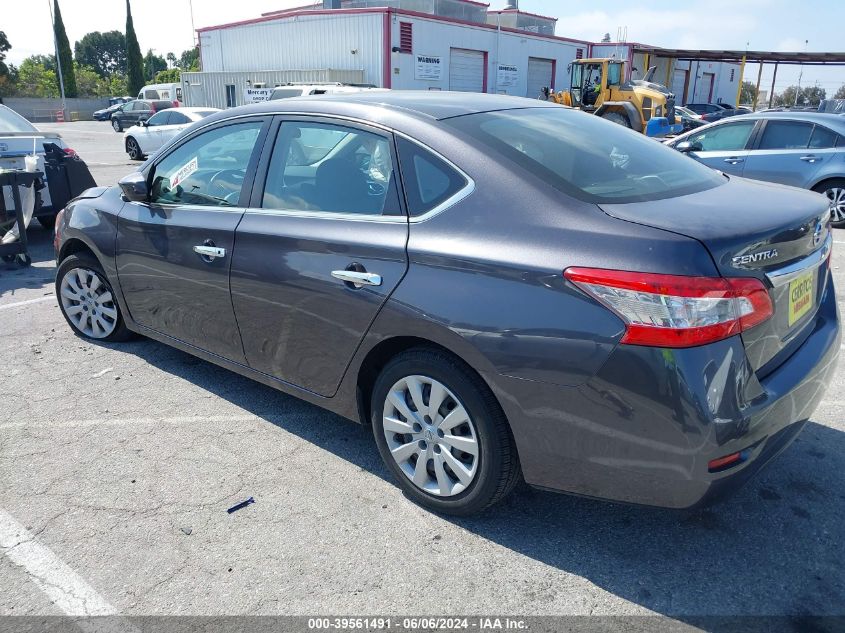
x=75 y=277
x=47 y=222
x=617 y=117
x=834 y=189
x=117 y=125
x=487 y=477
x=133 y=149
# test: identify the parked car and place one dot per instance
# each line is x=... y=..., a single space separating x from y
x=704 y=108
x=500 y=287
x=135 y=111
x=65 y=173
x=689 y=119
x=300 y=90
x=105 y=113
x=802 y=149
x=709 y=117
x=150 y=135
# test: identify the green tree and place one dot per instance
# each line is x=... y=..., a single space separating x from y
x=153 y=64
x=34 y=80
x=808 y=96
x=171 y=60
x=89 y=82
x=104 y=52
x=189 y=60
x=5 y=47
x=840 y=94
x=134 y=59
x=169 y=76
x=117 y=86
x=65 y=56
x=813 y=95
x=747 y=92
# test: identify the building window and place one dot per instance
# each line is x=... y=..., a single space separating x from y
x=579 y=53
x=406 y=37
x=230 y=96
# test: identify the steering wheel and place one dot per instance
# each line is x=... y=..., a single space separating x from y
x=227 y=188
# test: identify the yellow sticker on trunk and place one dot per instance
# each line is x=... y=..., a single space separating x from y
x=800 y=297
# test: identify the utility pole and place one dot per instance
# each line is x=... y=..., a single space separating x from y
x=58 y=59
x=800 y=75
x=193 y=30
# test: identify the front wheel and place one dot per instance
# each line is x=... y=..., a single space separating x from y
x=87 y=300
x=617 y=117
x=115 y=123
x=133 y=149
x=442 y=434
x=835 y=192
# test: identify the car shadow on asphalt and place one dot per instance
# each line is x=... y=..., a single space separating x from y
x=775 y=548
x=43 y=270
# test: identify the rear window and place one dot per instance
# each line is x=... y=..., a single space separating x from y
x=11 y=121
x=586 y=157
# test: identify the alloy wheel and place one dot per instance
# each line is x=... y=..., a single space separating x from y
x=88 y=302
x=836 y=196
x=431 y=436
x=134 y=149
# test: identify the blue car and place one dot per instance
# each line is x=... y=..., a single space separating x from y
x=802 y=149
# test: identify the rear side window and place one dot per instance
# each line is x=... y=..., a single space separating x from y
x=786 y=135
x=822 y=138
x=584 y=156
x=429 y=181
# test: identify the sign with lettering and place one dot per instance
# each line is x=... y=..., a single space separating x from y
x=257 y=95
x=428 y=67
x=507 y=76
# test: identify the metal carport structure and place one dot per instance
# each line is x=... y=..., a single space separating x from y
x=743 y=57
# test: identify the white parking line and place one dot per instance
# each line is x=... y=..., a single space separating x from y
x=65 y=588
x=6 y=306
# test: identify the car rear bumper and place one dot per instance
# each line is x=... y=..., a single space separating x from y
x=645 y=427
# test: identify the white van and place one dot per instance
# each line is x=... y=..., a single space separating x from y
x=301 y=90
x=164 y=92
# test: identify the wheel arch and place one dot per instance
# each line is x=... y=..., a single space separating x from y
x=74 y=246
x=824 y=179
x=380 y=354
x=626 y=108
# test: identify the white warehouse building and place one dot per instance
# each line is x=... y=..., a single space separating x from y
x=399 y=44
x=459 y=45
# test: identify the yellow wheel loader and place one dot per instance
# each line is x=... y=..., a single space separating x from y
x=597 y=85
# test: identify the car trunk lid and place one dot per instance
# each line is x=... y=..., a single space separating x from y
x=780 y=235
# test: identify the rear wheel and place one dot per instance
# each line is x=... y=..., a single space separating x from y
x=617 y=117
x=115 y=123
x=442 y=434
x=87 y=300
x=835 y=191
x=133 y=149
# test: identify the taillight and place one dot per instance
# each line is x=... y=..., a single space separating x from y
x=71 y=152
x=676 y=310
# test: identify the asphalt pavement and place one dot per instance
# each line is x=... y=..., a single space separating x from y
x=118 y=463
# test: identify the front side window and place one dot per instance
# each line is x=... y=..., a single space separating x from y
x=614 y=74
x=159 y=118
x=730 y=137
x=786 y=135
x=331 y=168
x=207 y=170
x=585 y=156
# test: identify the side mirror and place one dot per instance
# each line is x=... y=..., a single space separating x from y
x=143 y=123
x=685 y=147
x=134 y=187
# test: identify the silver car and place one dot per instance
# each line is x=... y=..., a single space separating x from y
x=802 y=149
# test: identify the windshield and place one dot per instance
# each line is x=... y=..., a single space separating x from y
x=586 y=157
x=11 y=121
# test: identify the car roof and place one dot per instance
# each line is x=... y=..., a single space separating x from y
x=419 y=103
x=194 y=111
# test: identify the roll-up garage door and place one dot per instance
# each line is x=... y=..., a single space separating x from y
x=539 y=76
x=466 y=70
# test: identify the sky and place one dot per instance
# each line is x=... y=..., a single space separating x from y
x=768 y=25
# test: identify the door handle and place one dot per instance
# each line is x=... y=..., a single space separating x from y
x=208 y=252
x=810 y=158
x=358 y=279
x=733 y=160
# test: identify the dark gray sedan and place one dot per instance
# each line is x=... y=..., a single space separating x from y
x=503 y=288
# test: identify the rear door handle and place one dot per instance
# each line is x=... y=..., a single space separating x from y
x=357 y=278
x=810 y=158
x=210 y=252
x=733 y=160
